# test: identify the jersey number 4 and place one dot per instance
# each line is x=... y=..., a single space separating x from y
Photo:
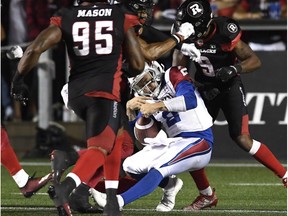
x=103 y=39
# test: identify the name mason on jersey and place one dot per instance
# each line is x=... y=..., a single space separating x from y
x=95 y=12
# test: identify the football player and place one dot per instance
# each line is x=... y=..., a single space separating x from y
x=178 y=106
x=224 y=57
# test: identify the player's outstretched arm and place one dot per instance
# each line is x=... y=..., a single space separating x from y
x=134 y=54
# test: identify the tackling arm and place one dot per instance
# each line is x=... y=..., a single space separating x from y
x=153 y=51
x=134 y=54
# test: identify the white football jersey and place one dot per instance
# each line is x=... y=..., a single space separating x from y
x=193 y=120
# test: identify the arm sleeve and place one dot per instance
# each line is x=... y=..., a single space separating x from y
x=187 y=89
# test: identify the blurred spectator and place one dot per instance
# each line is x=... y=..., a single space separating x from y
x=266 y=40
x=13 y=18
x=224 y=7
x=6 y=101
x=258 y=9
x=166 y=9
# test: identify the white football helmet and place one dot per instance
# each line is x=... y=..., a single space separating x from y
x=153 y=73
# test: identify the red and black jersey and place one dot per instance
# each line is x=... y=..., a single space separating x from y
x=94 y=36
x=216 y=49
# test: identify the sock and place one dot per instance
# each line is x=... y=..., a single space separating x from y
x=113 y=161
x=8 y=157
x=109 y=184
x=21 y=178
x=285 y=176
x=200 y=179
x=97 y=179
x=262 y=154
x=88 y=163
x=145 y=186
x=207 y=192
x=124 y=184
x=81 y=152
x=164 y=182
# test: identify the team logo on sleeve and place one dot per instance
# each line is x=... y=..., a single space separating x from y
x=195 y=9
x=232 y=27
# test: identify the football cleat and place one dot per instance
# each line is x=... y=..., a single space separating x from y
x=98 y=197
x=167 y=202
x=202 y=202
x=79 y=200
x=34 y=184
x=112 y=206
x=57 y=195
x=60 y=161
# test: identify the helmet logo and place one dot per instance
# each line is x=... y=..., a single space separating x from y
x=232 y=27
x=195 y=9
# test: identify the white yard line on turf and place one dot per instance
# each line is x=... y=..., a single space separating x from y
x=209 y=165
x=270 y=212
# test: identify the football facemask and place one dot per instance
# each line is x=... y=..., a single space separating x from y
x=148 y=83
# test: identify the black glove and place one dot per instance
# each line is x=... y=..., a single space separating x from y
x=19 y=90
x=209 y=94
x=226 y=73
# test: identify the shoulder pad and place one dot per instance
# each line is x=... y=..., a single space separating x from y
x=228 y=27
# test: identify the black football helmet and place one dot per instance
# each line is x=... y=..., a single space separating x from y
x=139 y=6
x=196 y=12
x=136 y=5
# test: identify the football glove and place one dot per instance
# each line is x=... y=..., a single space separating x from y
x=210 y=94
x=226 y=73
x=19 y=90
x=185 y=30
x=191 y=51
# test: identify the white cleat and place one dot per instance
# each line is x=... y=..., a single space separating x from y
x=167 y=202
x=99 y=198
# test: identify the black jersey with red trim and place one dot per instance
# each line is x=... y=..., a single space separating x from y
x=216 y=49
x=94 y=36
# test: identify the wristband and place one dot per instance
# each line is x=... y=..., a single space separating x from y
x=176 y=38
x=238 y=68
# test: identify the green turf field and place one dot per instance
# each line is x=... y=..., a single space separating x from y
x=241 y=190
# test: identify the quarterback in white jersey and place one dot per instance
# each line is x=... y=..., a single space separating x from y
x=170 y=98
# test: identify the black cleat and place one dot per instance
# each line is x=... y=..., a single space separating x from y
x=60 y=161
x=112 y=206
x=79 y=200
x=62 y=206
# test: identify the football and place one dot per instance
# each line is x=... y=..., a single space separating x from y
x=145 y=128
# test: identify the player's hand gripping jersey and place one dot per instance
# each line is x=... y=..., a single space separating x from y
x=95 y=43
x=216 y=50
